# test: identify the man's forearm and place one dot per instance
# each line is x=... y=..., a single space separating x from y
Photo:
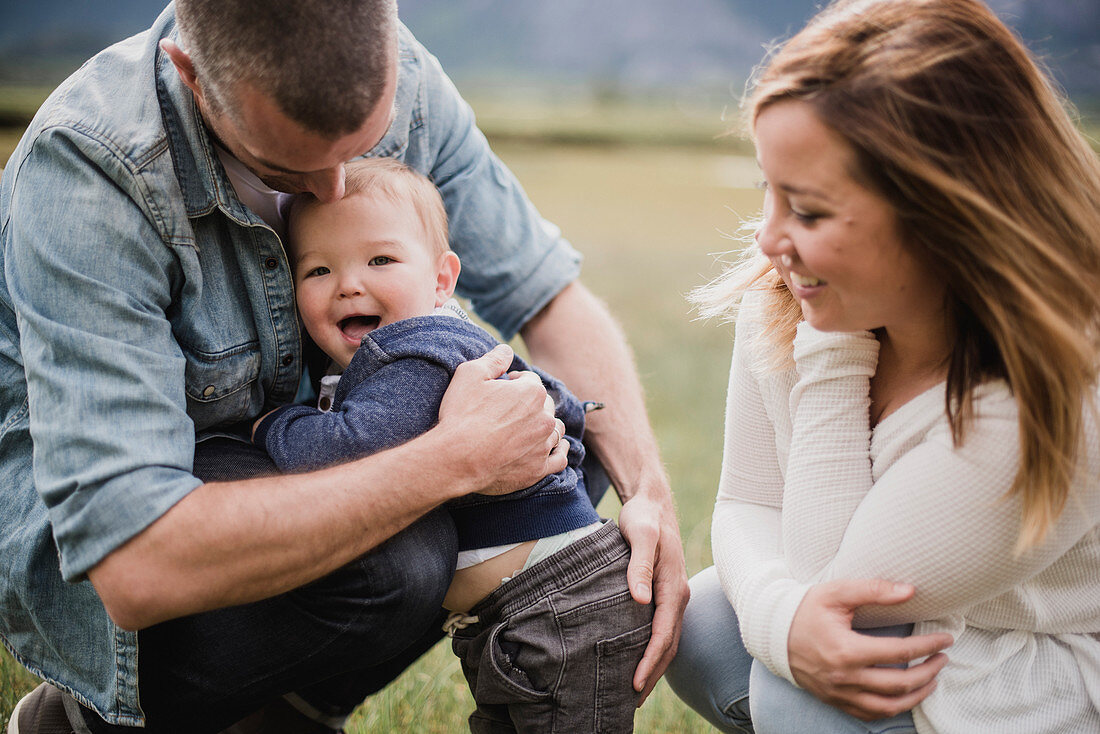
x=576 y=339
x=234 y=542
x=231 y=543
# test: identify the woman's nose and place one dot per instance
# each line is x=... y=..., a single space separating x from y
x=770 y=236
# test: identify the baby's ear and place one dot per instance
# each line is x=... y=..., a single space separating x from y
x=447 y=277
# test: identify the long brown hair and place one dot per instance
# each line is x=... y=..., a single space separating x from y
x=955 y=124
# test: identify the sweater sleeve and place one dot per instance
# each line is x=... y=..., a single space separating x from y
x=916 y=521
x=746 y=539
x=393 y=405
x=829 y=465
x=940 y=518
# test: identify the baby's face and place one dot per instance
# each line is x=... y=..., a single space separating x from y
x=360 y=263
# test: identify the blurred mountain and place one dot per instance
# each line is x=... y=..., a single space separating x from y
x=611 y=46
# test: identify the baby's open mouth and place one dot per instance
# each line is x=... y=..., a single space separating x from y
x=356 y=327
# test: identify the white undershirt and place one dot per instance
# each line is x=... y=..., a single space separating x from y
x=267 y=203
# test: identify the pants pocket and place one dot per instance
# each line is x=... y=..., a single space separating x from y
x=616 y=660
x=500 y=680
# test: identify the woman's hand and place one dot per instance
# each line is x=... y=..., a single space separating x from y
x=839 y=665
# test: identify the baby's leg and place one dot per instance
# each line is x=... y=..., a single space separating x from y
x=556 y=647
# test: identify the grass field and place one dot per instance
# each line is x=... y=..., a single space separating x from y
x=647 y=217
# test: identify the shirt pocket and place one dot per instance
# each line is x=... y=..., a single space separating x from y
x=220 y=386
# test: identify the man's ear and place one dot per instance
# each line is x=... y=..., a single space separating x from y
x=447 y=277
x=182 y=61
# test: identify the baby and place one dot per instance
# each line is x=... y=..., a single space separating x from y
x=543 y=620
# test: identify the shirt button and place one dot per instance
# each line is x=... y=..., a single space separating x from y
x=287 y=359
x=208 y=391
x=271 y=263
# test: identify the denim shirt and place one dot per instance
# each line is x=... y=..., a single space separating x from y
x=142 y=305
x=390 y=393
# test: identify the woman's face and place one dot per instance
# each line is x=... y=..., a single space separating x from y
x=835 y=242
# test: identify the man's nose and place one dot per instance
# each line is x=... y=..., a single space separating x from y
x=327 y=185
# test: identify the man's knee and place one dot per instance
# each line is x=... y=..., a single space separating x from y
x=398 y=586
x=422 y=560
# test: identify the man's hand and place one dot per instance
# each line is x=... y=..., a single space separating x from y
x=656 y=572
x=840 y=666
x=577 y=340
x=504 y=431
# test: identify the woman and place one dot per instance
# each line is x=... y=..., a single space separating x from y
x=911 y=435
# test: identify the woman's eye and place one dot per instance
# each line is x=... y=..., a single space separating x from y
x=381 y=260
x=805 y=217
x=319 y=270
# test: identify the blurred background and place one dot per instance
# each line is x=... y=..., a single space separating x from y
x=621 y=121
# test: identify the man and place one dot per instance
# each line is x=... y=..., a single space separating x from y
x=148 y=316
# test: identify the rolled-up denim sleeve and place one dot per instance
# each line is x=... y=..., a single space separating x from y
x=513 y=261
x=90 y=282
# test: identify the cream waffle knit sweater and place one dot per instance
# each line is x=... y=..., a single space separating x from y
x=809 y=493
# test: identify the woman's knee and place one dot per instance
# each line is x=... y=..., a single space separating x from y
x=711 y=669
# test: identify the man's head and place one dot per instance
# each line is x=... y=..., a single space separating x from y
x=376 y=256
x=294 y=90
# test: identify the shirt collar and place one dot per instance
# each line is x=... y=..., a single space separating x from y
x=203 y=182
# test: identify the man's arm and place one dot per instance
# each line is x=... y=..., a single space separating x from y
x=230 y=543
x=575 y=338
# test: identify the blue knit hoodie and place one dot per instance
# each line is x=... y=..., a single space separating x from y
x=390 y=393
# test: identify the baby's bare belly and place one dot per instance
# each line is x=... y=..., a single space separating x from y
x=472 y=584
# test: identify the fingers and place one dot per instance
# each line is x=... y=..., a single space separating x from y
x=894 y=682
x=559 y=457
x=659 y=652
x=656 y=572
x=869 y=706
x=897 y=650
x=639 y=573
x=489 y=366
x=558 y=434
x=852 y=593
x=672 y=594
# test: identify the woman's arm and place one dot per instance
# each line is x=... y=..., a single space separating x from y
x=939 y=518
x=829 y=463
x=746 y=530
x=750 y=560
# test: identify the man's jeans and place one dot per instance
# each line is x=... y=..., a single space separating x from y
x=332 y=642
x=555 y=648
x=714 y=674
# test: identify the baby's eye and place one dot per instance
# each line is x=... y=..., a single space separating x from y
x=381 y=260
x=319 y=270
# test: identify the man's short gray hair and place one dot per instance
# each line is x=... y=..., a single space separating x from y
x=323 y=62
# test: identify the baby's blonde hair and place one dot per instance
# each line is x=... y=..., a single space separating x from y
x=398 y=184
